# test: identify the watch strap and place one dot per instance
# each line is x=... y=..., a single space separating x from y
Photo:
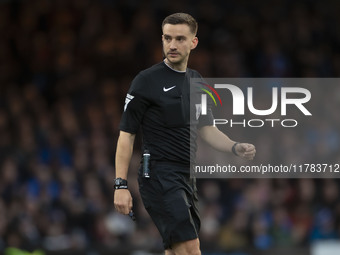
x=120 y=183
x=233 y=149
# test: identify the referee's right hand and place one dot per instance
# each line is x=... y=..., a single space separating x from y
x=123 y=201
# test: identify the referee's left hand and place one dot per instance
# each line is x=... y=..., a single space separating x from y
x=245 y=150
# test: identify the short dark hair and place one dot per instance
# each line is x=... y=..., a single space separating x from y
x=182 y=18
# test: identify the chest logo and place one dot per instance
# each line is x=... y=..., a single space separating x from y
x=167 y=89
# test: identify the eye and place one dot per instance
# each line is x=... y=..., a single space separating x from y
x=181 y=39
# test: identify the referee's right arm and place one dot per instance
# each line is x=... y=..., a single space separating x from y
x=122 y=197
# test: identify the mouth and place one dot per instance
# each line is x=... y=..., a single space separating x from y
x=173 y=54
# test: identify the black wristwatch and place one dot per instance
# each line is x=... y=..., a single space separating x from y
x=233 y=149
x=120 y=184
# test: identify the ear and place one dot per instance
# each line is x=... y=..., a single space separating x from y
x=194 y=42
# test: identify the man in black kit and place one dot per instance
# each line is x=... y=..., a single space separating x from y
x=158 y=101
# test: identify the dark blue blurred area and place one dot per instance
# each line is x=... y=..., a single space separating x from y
x=65 y=67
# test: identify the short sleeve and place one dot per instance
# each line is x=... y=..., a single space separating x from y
x=136 y=104
x=206 y=120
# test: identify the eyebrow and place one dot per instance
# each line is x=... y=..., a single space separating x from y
x=177 y=37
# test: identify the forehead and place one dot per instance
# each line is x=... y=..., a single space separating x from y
x=176 y=30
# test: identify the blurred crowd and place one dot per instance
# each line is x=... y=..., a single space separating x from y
x=65 y=67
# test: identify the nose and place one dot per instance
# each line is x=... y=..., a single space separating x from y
x=173 y=45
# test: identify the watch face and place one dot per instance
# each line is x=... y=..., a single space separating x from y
x=117 y=181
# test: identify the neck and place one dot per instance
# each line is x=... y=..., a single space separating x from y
x=181 y=67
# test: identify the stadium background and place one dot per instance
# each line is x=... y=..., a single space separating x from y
x=65 y=67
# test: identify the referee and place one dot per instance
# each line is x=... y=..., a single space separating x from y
x=158 y=102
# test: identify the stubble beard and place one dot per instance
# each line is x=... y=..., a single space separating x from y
x=179 y=61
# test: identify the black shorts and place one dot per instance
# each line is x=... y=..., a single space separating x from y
x=170 y=198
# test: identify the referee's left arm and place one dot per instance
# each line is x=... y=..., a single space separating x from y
x=216 y=139
x=221 y=142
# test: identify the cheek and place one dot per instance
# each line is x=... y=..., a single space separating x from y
x=185 y=46
x=189 y=47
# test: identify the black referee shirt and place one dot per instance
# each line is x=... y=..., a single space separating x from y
x=159 y=101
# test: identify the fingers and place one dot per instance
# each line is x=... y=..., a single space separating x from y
x=130 y=205
x=123 y=201
x=246 y=151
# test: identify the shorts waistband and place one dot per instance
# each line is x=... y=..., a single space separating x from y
x=168 y=163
